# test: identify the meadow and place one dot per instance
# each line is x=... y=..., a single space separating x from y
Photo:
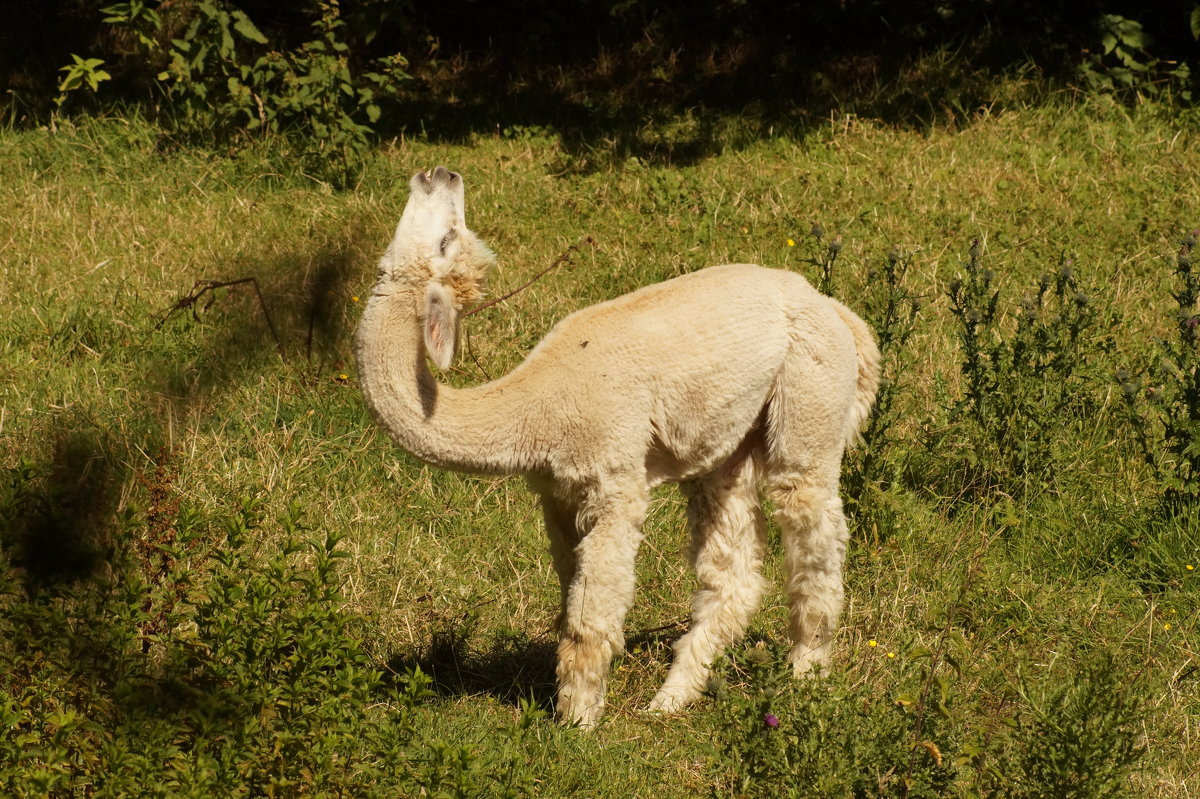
x=219 y=578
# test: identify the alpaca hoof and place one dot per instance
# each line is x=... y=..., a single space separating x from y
x=668 y=701
x=583 y=715
x=809 y=662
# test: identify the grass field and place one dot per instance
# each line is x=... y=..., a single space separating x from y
x=219 y=578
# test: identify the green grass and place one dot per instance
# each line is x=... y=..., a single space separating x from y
x=133 y=436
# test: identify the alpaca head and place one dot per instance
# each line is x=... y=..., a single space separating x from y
x=434 y=253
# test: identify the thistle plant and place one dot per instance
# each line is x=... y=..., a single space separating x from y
x=824 y=257
x=1021 y=386
x=1165 y=411
x=1077 y=739
x=891 y=307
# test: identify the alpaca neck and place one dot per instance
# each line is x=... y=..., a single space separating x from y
x=473 y=429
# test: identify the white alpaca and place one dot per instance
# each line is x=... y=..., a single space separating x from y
x=724 y=380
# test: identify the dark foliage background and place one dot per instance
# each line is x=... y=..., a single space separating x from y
x=480 y=64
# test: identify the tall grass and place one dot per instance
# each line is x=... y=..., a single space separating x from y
x=218 y=576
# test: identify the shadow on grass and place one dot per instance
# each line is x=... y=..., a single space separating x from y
x=511 y=668
x=59 y=510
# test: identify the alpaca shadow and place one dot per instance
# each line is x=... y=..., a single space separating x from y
x=512 y=668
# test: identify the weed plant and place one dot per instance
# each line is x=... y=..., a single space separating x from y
x=195 y=667
x=1078 y=739
x=823 y=258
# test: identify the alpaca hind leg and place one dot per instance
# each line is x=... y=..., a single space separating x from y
x=814 y=535
x=564 y=538
x=728 y=543
x=598 y=598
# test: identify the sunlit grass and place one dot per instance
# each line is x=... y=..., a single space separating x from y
x=101 y=233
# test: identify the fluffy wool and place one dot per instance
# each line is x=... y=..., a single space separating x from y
x=734 y=381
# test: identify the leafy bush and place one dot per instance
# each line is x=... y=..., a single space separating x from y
x=196 y=666
x=1126 y=64
x=222 y=77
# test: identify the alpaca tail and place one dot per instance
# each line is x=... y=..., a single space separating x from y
x=868 y=373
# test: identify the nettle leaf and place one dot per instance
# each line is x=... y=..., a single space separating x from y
x=1195 y=22
x=248 y=30
x=226 y=49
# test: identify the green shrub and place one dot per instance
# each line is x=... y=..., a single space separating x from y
x=197 y=664
x=827 y=737
x=221 y=77
x=1125 y=64
x=1079 y=739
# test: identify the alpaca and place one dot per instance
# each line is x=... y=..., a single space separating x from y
x=726 y=381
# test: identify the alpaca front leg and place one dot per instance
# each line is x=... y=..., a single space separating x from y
x=728 y=544
x=814 y=544
x=598 y=599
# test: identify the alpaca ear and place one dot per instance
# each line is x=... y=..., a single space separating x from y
x=441 y=325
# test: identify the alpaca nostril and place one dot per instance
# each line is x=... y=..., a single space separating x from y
x=441 y=175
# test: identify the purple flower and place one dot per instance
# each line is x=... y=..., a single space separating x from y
x=771 y=720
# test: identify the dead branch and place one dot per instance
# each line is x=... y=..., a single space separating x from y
x=203 y=287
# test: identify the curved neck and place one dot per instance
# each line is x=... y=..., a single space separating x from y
x=473 y=429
